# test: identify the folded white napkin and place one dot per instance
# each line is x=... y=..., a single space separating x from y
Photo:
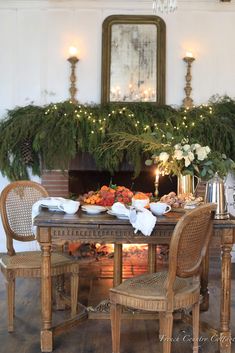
x=47 y=201
x=143 y=220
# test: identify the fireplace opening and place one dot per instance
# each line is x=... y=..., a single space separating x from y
x=82 y=181
x=85 y=176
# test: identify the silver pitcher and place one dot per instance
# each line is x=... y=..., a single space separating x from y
x=215 y=193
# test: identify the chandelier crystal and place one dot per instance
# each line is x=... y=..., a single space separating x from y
x=164 y=6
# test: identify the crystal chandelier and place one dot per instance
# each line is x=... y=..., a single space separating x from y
x=164 y=5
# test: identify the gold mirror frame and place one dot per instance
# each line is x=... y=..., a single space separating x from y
x=160 y=52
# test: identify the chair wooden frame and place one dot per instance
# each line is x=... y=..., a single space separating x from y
x=177 y=288
x=28 y=264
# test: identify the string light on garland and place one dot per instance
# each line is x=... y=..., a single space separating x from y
x=164 y=6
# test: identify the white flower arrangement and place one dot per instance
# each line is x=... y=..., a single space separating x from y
x=191 y=152
x=186 y=152
x=184 y=158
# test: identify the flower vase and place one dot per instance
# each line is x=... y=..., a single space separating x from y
x=185 y=184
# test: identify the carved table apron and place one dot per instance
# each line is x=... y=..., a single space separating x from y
x=107 y=229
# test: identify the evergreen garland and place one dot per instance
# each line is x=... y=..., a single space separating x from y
x=56 y=132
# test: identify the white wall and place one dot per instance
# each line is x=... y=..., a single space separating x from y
x=35 y=37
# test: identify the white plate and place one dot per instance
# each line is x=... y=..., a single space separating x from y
x=118 y=215
x=93 y=209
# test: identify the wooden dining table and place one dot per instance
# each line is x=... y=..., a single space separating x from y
x=104 y=228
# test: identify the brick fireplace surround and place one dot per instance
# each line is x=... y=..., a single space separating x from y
x=57 y=184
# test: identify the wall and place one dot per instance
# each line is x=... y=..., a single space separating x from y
x=35 y=37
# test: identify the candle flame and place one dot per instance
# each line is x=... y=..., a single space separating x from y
x=189 y=54
x=73 y=51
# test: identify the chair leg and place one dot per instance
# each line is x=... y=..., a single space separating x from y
x=10 y=287
x=195 y=314
x=13 y=288
x=167 y=329
x=74 y=293
x=115 y=312
x=161 y=325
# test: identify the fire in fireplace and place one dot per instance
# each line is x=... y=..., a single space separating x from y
x=100 y=258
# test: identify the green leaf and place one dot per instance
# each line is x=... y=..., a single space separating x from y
x=208 y=163
x=168 y=136
x=203 y=172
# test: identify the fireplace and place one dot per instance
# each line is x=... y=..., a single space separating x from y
x=84 y=176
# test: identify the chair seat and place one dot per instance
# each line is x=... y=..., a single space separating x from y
x=147 y=292
x=31 y=260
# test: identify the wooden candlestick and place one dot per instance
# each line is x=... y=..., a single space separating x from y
x=73 y=89
x=188 y=101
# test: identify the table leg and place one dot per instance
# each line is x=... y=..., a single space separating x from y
x=204 y=283
x=225 y=304
x=46 y=291
x=152 y=258
x=117 y=268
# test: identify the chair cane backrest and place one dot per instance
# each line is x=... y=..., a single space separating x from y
x=190 y=241
x=16 y=203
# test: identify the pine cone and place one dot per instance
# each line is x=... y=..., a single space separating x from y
x=26 y=151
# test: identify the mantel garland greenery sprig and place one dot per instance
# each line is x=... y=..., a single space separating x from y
x=53 y=134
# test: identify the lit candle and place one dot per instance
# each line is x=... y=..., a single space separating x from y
x=157 y=176
x=189 y=54
x=156 y=184
x=73 y=51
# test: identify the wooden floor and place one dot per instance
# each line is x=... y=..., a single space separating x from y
x=94 y=336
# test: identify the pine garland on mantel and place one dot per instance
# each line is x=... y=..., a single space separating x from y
x=56 y=132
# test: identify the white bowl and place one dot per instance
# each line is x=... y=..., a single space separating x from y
x=93 y=209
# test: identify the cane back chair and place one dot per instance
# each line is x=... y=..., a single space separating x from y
x=177 y=288
x=16 y=202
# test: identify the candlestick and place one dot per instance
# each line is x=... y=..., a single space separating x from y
x=156 y=183
x=73 y=59
x=188 y=101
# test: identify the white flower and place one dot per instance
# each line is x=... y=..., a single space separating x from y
x=201 y=153
x=195 y=146
x=187 y=161
x=207 y=149
x=178 y=146
x=178 y=155
x=164 y=156
x=191 y=156
x=186 y=147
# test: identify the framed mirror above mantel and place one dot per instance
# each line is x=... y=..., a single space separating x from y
x=133 y=59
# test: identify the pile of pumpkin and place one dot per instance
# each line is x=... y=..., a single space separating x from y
x=107 y=195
